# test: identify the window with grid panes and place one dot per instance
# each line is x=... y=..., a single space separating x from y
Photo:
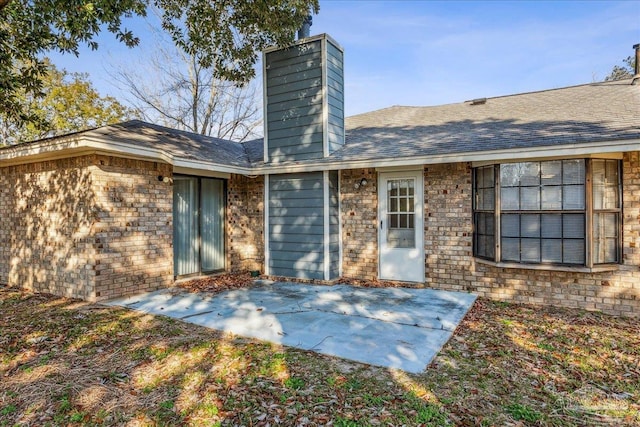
x=400 y=213
x=542 y=210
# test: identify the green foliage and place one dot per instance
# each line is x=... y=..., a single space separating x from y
x=294 y=383
x=624 y=71
x=523 y=413
x=70 y=103
x=30 y=28
x=224 y=35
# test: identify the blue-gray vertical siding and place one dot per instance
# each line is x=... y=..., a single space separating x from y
x=334 y=226
x=335 y=96
x=296 y=225
x=294 y=115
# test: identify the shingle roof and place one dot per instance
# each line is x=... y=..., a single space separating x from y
x=185 y=145
x=596 y=112
x=573 y=115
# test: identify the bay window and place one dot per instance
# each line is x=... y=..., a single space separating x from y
x=557 y=212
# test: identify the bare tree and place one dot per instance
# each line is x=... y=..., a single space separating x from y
x=171 y=88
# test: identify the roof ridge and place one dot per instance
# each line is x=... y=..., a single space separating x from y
x=604 y=83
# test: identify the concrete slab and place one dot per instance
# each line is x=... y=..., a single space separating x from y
x=391 y=327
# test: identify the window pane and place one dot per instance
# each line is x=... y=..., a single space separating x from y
x=509 y=198
x=487 y=176
x=605 y=184
x=573 y=171
x=552 y=197
x=392 y=187
x=605 y=242
x=530 y=250
x=573 y=226
x=551 y=226
x=510 y=249
x=530 y=198
x=393 y=204
x=403 y=204
x=487 y=197
x=573 y=197
x=488 y=222
x=403 y=221
x=573 y=251
x=530 y=173
x=510 y=225
x=530 y=225
x=509 y=174
x=393 y=221
x=551 y=250
x=551 y=173
x=212 y=224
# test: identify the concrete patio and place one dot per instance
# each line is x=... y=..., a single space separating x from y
x=391 y=327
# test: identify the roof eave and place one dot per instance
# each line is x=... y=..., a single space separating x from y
x=95 y=144
x=75 y=145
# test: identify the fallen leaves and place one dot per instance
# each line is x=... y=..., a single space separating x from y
x=68 y=363
x=217 y=283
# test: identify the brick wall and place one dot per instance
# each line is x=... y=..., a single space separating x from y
x=447 y=225
x=133 y=227
x=450 y=263
x=90 y=227
x=359 y=215
x=46 y=213
x=245 y=223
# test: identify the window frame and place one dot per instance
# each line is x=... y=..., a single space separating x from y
x=589 y=211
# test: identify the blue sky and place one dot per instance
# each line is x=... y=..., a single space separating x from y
x=432 y=52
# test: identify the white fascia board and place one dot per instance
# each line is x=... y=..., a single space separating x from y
x=49 y=150
x=558 y=151
x=73 y=146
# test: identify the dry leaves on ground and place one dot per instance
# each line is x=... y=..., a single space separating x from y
x=217 y=283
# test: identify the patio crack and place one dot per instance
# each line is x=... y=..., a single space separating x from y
x=417 y=325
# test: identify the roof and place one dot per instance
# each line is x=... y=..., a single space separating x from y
x=592 y=115
x=573 y=115
x=185 y=145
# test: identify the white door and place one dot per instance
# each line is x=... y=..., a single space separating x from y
x=401 y=232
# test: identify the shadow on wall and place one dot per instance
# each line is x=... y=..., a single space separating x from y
x=87 y=232
x=50 y=214
x=133 y=228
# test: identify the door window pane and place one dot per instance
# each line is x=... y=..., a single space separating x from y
x=186 y=250
x=401 y=206
x=212 y=224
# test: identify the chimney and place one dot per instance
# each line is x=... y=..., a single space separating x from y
x=305 y=29
x=636 y=70
x=303 y=100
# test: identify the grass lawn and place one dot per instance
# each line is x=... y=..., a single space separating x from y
x=65 y=362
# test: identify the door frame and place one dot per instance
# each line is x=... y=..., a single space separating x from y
x=383 y=177
x=198 y=214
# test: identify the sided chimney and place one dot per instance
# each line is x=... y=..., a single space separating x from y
x=303 y=99
x=636 y=76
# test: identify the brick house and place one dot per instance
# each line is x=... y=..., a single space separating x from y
x=531 y=198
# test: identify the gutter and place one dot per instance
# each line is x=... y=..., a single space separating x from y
x=81 y=145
